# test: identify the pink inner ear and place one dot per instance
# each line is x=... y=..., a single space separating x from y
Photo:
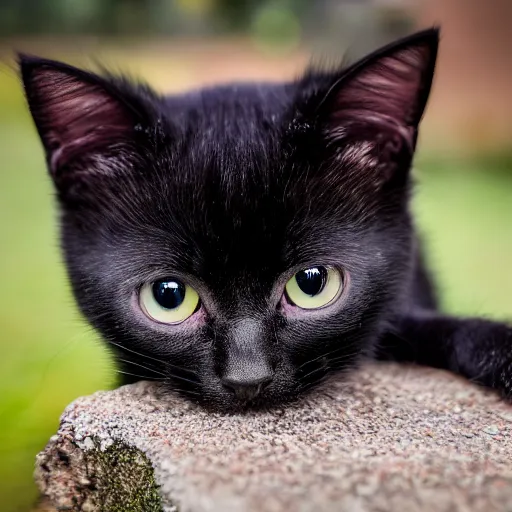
x=386 y=90
x=76 y=118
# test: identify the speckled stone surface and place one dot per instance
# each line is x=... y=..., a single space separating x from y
x=391 y=438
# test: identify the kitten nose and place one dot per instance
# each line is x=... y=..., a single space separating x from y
x=246 y=389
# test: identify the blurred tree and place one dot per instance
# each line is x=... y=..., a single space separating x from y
x=235 y=14
x=131 y=16
x=351 y=28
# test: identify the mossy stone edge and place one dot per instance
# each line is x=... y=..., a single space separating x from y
x=118 y=478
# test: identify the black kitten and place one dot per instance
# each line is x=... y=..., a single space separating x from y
x=242 y=242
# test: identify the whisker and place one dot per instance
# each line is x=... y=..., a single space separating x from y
x=142 y=366
x=190 y=392
x=344 y=357
x=316 y=382
x=178 y=377
x=135 y=352
x=319 y=368
x=153 y=358
x=306 y=385
x=183 y=390
x=340 y=359
x=145 y=377
x=171 y=375
x=327 y=354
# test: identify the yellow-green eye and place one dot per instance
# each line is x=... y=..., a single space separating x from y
x=314 y=287
x=168 y=301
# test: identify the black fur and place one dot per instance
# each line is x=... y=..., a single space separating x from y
x=235 y=188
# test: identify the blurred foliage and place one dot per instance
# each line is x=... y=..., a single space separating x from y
x=116 y=17
x=280 y=24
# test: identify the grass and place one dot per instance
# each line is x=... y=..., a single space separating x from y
x=49 y=356
x=464 y=211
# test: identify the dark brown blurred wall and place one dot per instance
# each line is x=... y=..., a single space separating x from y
x=471 y=107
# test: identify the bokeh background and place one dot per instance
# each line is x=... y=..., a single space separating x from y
x=48 y=355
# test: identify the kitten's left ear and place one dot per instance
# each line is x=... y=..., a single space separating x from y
x=386 y=92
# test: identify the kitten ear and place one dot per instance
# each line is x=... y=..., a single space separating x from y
x=387 y=91
x=81 y=117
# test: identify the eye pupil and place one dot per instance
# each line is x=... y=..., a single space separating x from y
x=312 y=280
x=169 y=294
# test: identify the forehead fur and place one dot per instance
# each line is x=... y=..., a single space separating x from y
x=237 y=155
x=216 y=197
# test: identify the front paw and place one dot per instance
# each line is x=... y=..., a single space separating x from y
x=503 y=381
x=483 y=353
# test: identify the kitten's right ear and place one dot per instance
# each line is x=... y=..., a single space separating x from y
x=85 y=121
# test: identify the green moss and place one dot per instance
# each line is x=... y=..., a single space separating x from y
x=121 y=480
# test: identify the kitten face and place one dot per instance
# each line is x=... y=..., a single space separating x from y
x=215 y=200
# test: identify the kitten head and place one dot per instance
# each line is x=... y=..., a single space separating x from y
x=238 y=242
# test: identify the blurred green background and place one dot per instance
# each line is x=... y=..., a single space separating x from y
x=49 y=356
